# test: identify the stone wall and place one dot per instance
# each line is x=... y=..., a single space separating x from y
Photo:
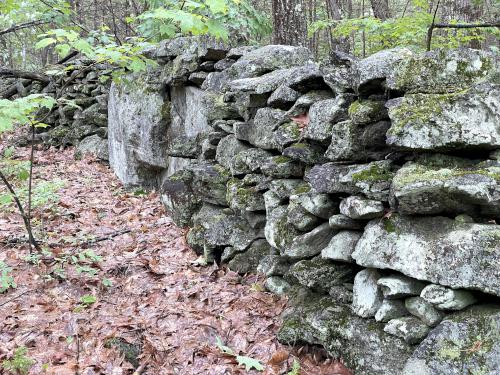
x=80 y=118
x=367 y=191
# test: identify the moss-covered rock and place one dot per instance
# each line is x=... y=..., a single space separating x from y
x=362 y=112
x=244 y=198
x=249 y=260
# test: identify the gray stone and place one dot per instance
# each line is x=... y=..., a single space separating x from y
x=228 y=254
x=341 y=293
x=281 y=167
x=372 y=180
x=227 y=149
x=249 y=260
x=215 y=108
x=283 y=98
x=344 y=222
x=373 y=71
x=442 y=184
x=424 y=310
x=309 y=244
x=320 y=205
x=244 y=198
x=184 y=147
x=249 y=160
x=306 y=78
x=285 y=188
x=363 y=112
x=266 y=83
x=341 y=246
x=259 y=132
x=94 y=145
x=198 y=78
x=268 y=58
x=351 y=142
x=443 y=71
x=323 y=115
x=319 y=275
x=447 y=299
x=359 y=208
x=209 y=181
x=237 y=52
x=437 y=249
x=339 y=72
x=367 y=296
x=398 y=286
x=409 y=328
x=257 y=220
x=362 y=344
x=273 y=265
x=278 y=233
x=464 y=343
x=300 y=218
x=272 y=201
x=468 y=119
x=305 y=153
x=224 y=64
x=303 y=103
x=277 y=285
x=390 y=309
x=287 y=133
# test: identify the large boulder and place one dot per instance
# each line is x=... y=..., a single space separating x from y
x=443 y=71
x=437 y=249
x=464 y=343
x=450 y=185
x=468 y=119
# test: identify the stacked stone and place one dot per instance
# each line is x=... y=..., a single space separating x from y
x=81 y=113
x=367 y=191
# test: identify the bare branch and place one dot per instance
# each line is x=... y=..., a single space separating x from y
x=23 y=26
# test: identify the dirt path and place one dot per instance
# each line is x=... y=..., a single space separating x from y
x=135 y=299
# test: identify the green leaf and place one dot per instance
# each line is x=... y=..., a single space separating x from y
x=249 y=363
x=88 y=299
x=217 y=6
x=5 y=199
x=44 y=43
x=223 y=348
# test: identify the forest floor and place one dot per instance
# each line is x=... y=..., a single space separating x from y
x=118 y=289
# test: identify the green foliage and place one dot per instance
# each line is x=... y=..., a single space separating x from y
x=217 y=18
x=248 y=362
x=6 y=279
x=20 y=363
x=295 y=368
x=88 y=300
x=22 y=110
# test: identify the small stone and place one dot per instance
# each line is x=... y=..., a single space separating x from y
x=409 y=328
x=305 y=153
x=287 y=133
x=249 y=161
x=390 y=309
x=424 y=310
x=283 y=98
x=281 y=167
x=227 y=149
x=446 y=298
x=277 y=285
x=277 y=231
x=300 y=218
x=398 y=286
x=310 y=244
x=242 y=198
x=367 y=296
x=273 y=265
x=363 y=112
x=320 y=205
x=228 y=254
x=361 y=208
x=341 y=246
x=341 y=294
x=344 y=222
x=248 y=261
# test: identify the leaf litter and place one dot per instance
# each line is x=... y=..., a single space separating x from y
x=146 y=308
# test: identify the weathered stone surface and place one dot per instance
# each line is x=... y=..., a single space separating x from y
x=341 y=246
x=278 y=233
x=424 y=310
x=300 y=218
x=443 y=71
x=309 y=244
x=266 y=83
x=320 y=205
x=305 y=153
x=244 y=198
x=249 y=260
x=437 y=249
x=360 y=208
x=323 y=115
x=351 y=142
x=339 y=72
x=268 y=58
x=273 y=265
x=184 y=147
x=285 y=188
x=259 y=132
x=303 y=103
x=390 y=309
x=283 y=98
x=446 y=298
x=307 y=78
x=468 y=119
x=367 y=296
x=94 y=145
x=363 y=345
x=373 y=71
x=373 y=179
x=210 y=181
x=287 y=133
x=198 y=78
x=282 y=167
x=409 y=328
x=448 y=349
x=440 y=184
x=363 y=112
x=320 y=275
x=344 y=222
x=215 y=108
x=138 y=120
x=249 y=160
x=227 y=150
x=398 y=286
x=277 y=285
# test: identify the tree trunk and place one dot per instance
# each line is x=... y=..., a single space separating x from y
x=289 y=22
x=381 y=9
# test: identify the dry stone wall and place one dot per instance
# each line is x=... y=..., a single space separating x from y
x=368 y=191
